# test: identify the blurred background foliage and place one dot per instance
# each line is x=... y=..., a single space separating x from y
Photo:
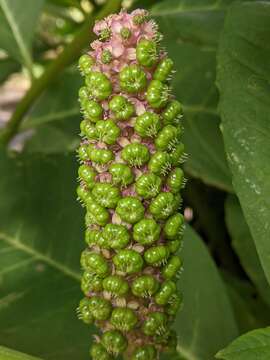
x=221 y=52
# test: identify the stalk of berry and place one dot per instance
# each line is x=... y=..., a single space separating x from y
x=130 y=181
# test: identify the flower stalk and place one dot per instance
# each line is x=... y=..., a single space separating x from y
x=130 y=181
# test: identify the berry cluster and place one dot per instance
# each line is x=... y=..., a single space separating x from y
x=130 y=181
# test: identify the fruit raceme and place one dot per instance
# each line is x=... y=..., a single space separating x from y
x=130 y=180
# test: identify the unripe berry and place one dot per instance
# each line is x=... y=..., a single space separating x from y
x=114 y=342
x=147 y=352
x=98 y=352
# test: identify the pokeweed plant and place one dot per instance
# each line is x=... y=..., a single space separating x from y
x=130 y=180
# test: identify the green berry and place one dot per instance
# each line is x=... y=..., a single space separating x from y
x=176 y=180
x=98 y=352
x=96 y=214
x=84 y=312
x=92 y=110
x=135 y=154
x=163 y=70
x=164 y=205
x=128 y=261
x=172 y=113
x=172 y=268
x=92 y=237
x=99 y=85
x=99 y=156
x=88 y=130
x=174 y=245
x=83 y=153
x=106 y=195
x=160 y=163
x=155 y=324
x=168 y=138
x=144 y=286
x=90 y=283
x=167 y=289
x=114 y=342
x=83 y=193
x=107 y=131
x=123 y=319
x=85 y=64
x=94 y=263
x=146 y=52
x=157 y=94
x=148 y=185
x=146 y=352
x=121 y=107
x=147 y=124
x=130 y=209
x=174 y=304
x=174 y=226
x=115 y=285
x=122 y=175
x=132 y=79
x=146 y=231
x=83 y=96
x=87 y=174
x=177 y=156
x=115 y=236
x=100 y=308
x=156 y=255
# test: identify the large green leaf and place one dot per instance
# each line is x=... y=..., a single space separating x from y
x=8 y=354
x=253 y=345
x=206 y=322
x=55 y=117
x=58 y=102
x=249 y=310
x=18 y=20
x=41 y=237
x=243 y=79
x=243 y=245
x=191 y=32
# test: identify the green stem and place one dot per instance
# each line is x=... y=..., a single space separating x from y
x=67 y=56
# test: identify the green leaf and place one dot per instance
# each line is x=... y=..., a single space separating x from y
x=41 y=237
x=206 y=322
x=253 y=345
x=56 y=117
x=58 y=138
x=243 y=80
x=191 y=32
x=249 y=310
x=59 y=101
x=243 y=245
x=18 y=20
x=8 y=354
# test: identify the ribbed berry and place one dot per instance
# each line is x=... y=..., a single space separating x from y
x=130 y=180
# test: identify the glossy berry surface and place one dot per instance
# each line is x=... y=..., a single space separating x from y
x=130 y=178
